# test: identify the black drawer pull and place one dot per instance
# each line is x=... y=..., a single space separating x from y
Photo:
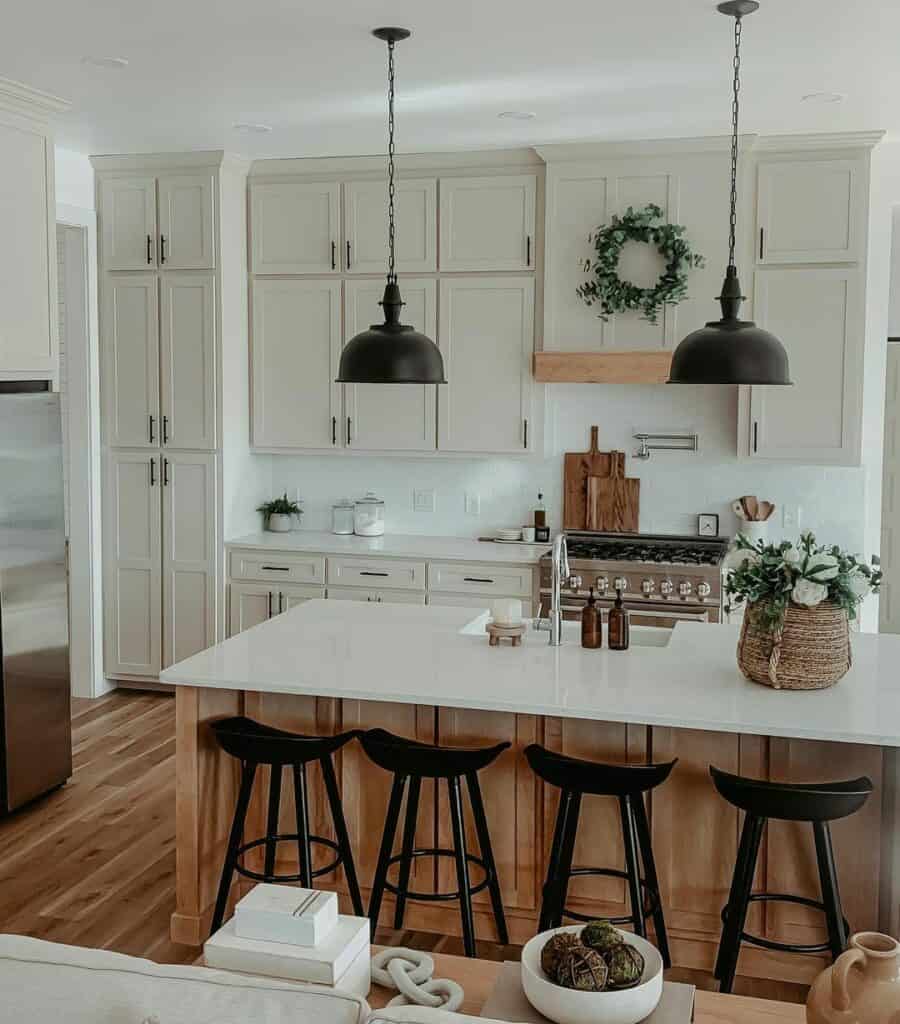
x=365 y=572
x=528 y=250
x=275 y=568
x=476 y=579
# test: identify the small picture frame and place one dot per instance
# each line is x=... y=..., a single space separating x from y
x=707 y=524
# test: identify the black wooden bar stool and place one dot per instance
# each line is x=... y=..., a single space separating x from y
x=410 y=761
x=817 y=803
x=255 y=744
x=628 y=783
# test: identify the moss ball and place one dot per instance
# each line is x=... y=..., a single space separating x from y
x=583 y=969
x=553 y=950
x=626 y=966
x=601 y=936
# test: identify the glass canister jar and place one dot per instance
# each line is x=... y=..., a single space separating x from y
x=368 y=516
x=342 y=518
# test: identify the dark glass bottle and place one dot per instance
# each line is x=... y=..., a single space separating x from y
x=618 y=625
x=591 y=624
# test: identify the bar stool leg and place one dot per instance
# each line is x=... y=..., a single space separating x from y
x=301 y=803
x=462 y=865
x=738 y=901
x=831 y=897
x=567 y=852
x=409 y=838
x=272 y=819
x=345 y=848
x=248 y=772
x=651 y=879
x=629 y=836
x=548 y=893
x=387 y=846
x=487 y=855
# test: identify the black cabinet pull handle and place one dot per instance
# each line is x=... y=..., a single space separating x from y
x=165 y=472
x=762 y=248
x=348 y=430
x=275 y=568
x=153 y=472
x=149 y=252
x=334 y=256
x=476 y=579
x=165 y=431
x=348 y=253
x=162 y=248
x=334 y=429
x=365 y=572
x=528 y=250
x=525 y=437
x=269 y=605
x=280 y=602
x=151 y=430
x=756 y=435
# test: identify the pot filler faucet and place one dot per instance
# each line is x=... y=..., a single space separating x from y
x=560 y=574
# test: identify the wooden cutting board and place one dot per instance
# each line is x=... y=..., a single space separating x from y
x=578 y=468
x=613 y=502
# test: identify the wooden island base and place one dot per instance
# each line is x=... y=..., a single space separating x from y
x=695 y=833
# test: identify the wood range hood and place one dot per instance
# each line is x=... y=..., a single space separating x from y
x=650 y=367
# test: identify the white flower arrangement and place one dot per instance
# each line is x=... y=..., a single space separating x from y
x=770 y=577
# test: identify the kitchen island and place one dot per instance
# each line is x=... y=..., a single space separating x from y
x=428 y=673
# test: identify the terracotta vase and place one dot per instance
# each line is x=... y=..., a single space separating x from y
x=861 y=987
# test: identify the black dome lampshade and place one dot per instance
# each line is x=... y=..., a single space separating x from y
x=731 y=351
x=391 y=353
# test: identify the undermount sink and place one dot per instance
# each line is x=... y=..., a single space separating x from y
x=641 y=636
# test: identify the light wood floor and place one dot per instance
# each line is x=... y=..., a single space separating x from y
x=93 y=864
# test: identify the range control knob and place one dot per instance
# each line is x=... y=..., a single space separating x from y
x=703 y=590
x=620 y=583
x=666 y=588
x=601 y=584
x=684 y=588
x=647 y=587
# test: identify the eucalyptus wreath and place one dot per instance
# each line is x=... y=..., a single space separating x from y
x=615 y=295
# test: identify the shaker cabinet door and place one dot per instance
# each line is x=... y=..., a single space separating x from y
x=128 y=238
x=129 y=339
x=251 y=604
x=387 y=417
x=295 y=353
x=187 y=237
x=365 y=226
x=295 y=228
x=131 y=563
x=488 y=223
x=487 y=340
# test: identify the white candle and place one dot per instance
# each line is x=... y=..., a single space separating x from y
x=507 y=611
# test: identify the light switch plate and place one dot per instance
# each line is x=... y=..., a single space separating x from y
x=423 y=500
x=473 y=504
x=790 y=516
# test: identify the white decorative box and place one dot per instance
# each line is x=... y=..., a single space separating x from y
x=281 y=913
x=325 y=964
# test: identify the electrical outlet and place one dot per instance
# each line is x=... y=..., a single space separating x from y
x=790 y=516
x=473 y=504
x=423 y=500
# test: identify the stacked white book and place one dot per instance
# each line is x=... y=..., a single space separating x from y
x=297 y=934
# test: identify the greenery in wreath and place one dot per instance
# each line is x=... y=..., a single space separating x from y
x=617 y=296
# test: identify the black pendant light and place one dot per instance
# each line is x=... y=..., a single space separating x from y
x=391 y=353
x=731 y=351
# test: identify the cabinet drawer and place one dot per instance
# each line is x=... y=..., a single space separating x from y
x=376 y=573
x=505 y=581
x=376 y=596
x=287 y=567
x=482 y=601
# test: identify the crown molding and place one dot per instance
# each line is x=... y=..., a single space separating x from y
x=820 y=140
x=24 y=101
x=143 y=162
x=594 y=150
x=329 y=166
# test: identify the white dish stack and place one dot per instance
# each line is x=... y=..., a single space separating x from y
x=297 y=934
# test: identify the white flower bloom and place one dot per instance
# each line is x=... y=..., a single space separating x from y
x=791 y=555
x=808 y=593
x=859 y=585
x=821 y=568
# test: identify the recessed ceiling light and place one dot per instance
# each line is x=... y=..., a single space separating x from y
x=116 y=63
x=251 y=127
x=518 y=115
x=823 y=97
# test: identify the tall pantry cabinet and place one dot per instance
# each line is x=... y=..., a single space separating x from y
x=172 y=329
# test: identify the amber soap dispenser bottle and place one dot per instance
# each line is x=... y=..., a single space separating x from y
x=591 y=624
x=618 y=625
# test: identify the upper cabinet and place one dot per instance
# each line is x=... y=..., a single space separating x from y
x=487 y=223
x=365 y=226
x=28 y=323
x=147 y=223
x=810 y=210
x=295 y=228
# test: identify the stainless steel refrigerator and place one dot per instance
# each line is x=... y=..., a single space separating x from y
x=35 y=712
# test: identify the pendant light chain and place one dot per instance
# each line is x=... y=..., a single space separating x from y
x=392 y=275
x=735 y=110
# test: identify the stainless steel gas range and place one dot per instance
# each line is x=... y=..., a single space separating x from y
x=663 y=578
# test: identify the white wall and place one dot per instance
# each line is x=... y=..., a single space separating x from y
x=894 y=313
x=74 y=179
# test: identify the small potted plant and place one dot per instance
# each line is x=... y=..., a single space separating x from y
x=800 y=601
x=279 y=513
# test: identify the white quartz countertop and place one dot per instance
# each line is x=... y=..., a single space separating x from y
x=455 y=549
x=439 y=656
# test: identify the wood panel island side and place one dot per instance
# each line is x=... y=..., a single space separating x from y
x=429 y=674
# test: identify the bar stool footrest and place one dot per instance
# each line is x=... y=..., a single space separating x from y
x=259 y=876
x=438 y=897
x=774 y=944
x=651 y=897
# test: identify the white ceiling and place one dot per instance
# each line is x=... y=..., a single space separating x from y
x=587 y=68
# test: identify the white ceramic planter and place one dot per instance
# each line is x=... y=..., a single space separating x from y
x=280 y=523
x=755 y=531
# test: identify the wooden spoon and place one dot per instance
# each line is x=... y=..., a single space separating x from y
x=766 y=508
x=738 y=509
x=751 y=506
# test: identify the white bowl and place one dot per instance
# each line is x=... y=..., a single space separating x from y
x=510 y=534
x=570 y=1006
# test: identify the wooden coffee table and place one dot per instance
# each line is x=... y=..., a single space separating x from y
x=478 y=978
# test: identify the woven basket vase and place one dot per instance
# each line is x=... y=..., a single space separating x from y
x=810 y=652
